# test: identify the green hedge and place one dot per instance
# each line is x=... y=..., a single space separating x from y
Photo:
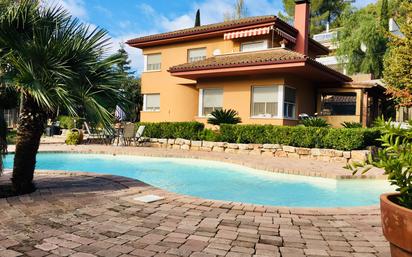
x=311 y=137
x=334 y=138
x=186 y=130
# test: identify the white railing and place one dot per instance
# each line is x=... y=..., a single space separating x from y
x=325 y=37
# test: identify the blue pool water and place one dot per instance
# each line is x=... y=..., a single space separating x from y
x=222 y=181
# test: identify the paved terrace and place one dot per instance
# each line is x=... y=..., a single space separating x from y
x=85 y=214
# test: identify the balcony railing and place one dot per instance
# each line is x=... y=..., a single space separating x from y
x=325 y=37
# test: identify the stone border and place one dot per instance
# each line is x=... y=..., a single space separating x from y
x=274 y=150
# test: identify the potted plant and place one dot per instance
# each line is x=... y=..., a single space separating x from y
x=395 y=157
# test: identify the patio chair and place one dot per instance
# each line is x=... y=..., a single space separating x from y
x=92 y=134
x=108 y=135
x=138 y=135
x=128 y=133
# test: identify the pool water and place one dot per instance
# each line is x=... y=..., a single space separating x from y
x=222 y=181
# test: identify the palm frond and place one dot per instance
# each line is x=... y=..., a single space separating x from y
x=59 y=61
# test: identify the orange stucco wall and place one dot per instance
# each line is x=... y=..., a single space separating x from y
x=237 y=95
x=179 y=98
x=177 y=102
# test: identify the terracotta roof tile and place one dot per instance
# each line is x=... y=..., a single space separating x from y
x=242 y=59
x=206 y=28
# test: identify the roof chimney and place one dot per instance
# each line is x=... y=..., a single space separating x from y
x=302 y=18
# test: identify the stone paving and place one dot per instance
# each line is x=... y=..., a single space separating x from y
x=85 y=214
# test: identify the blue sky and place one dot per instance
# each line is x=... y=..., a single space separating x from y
x=126 y=19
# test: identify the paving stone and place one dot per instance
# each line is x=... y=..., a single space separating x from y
x=9 y=253
x=85 y=215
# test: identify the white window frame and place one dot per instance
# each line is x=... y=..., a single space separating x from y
x=281 y=103
x=279 y=100
x=145 y=103
x=201 y=96
x=146 y=62
x=285 y=102
x=198 y=48
x=265 y=44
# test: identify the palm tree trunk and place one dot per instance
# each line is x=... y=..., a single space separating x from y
x=31 y=124
x=3 y=141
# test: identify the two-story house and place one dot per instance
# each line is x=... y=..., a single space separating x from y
x=261 y=67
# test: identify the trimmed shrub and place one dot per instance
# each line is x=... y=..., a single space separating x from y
x=340 y=139
x=186 y=130
x=74 y=137
x=209 y=135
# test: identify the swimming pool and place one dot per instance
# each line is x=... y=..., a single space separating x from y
x=222 y=181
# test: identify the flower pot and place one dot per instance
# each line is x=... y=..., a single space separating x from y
x=397 y=226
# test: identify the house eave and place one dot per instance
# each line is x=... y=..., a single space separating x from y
x=304 y=68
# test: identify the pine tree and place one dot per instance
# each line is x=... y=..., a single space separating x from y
x=124 y=65
x=322 y=12
x=130 y=85
x=197 y=21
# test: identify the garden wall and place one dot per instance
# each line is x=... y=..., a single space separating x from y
x=274 y=150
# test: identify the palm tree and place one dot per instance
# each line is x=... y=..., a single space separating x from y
x=53 y=61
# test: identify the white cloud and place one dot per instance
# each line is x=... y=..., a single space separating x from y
x=135 y=55
x=181 y=22
x=212 y=11
x=75 y=7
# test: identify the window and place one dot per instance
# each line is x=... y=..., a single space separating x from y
x=289 y=103
x=197 y=54
x=211 y=99
x=153 y=62
x=338 y=104
x=265 y=101
x=254 y=46
x=151 y=102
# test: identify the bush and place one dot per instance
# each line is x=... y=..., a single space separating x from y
x=173 y=130
x=66 y=122
x=395 y=157
x=74 y=137
x=348 y=124
x=340 y=139
x=315 y=122
x=224 y=117
x=209 y=135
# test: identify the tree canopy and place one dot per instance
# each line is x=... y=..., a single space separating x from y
x=398 y=60
x=130 y=86
x=363 y=36
x=362 y=40
x=322 y=13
